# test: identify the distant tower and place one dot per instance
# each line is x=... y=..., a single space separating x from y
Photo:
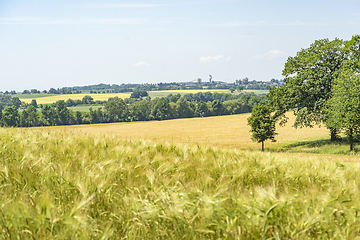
x=198 y=80
x=210 y=78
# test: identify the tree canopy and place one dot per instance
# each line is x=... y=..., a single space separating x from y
x=344 y=106
x=309 y=77
x=262 y=124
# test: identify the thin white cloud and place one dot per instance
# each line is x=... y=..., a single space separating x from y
x=232 y=24
x=114 y=21
x=270 y=55
x=265 y=23
x=137 y=5
x=141 y=64
x=111 y=5
x=211 y=58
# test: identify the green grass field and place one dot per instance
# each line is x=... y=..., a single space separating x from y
x=257 y=91
x=51 y=98
x=84 y=108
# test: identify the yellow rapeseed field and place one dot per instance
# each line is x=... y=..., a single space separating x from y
x=52 y=99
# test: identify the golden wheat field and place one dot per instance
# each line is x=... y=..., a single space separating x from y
x=231 y=132
x=222 y=131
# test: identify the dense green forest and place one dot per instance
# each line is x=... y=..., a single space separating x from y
x=130 y=109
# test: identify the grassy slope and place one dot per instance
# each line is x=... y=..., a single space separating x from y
x=56 y=184
x=46 y=99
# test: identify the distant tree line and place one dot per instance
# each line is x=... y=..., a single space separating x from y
x=7 y=100
x=117 y=110
x=131 y=87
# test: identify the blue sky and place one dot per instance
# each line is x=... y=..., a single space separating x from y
x=46 y=43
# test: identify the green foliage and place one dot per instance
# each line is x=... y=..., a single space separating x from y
x=116 y=110
x=29 y=117
x=218 y=108
x=57 y=185
x=6 y=100
x=161 y=110
x=352 y=49
x=236 y=106
x=183 y=109
x=140 y=111
x=262 y=124
x=344 y=106
x=48 y=116
x=78 y=117
x=202 y=110
x=87 y=100
x=139 y=94
x=34 y=103
x=309 y=77
x=131 y=109
x=62 y=113
x=10 y=116
x=96 y=116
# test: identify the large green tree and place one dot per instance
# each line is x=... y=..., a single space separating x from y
x=262 y=124
x=162 y=110
x=10 y=116
x=78 y=117
x=218 y=108
x=87 y=100
x=352 y=49
x=183 y=109
x=344 y=106
x=34 y=103
x=116 y=110
x=202 y=110
x=48 y=115
x=16 y=102
x=62 y=113
x=308 y=81
x=29 y=117
x=140 y=110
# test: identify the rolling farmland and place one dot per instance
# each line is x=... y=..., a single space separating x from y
x=224 y=131
x=51 y=98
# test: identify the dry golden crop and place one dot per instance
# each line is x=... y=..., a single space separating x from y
x=224 y=131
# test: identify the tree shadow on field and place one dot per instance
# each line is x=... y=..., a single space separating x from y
x=322 y=146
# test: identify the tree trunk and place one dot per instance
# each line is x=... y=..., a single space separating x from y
x=262 y=146
x=333 y=133
x=351 y=142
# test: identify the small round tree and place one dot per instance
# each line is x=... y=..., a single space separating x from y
x=262 y=124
